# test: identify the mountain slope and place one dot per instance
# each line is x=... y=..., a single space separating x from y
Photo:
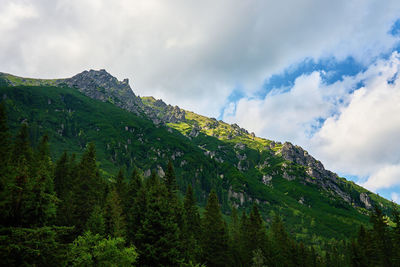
x=206 y=153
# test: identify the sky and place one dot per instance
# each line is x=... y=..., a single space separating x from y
x=321 y=74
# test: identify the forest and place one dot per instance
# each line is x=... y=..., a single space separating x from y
x=63 y=212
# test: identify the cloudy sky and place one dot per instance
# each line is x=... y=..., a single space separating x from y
x=320 y=74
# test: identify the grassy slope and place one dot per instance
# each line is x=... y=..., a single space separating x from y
x=123 y=139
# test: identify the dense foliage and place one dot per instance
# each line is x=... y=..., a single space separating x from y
x=124 y=140
x=66 y=213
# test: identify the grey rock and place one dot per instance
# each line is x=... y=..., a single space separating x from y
x=365 y=199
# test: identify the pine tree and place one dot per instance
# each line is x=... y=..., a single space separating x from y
x=43 y=204
x=157 y=238
x=4 y=144
x=170 y=178
x=19 y=185
x=281 y=243
x=214 y=235
x=381 y=236
x=120 y=184
x=89 y=189
x=6 y=179
x=192 y=227
x=65 y=181
x=235 y=239
x=115 y=219
x=256 y=237
x=396 y=235
x=96 y=223
x=134 y=204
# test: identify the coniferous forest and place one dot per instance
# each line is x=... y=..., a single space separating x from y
x=62 y=212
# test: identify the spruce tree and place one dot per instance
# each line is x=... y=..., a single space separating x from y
x=20 y=183
x=255 y=237
x=43 y=204
x=120 y=184
x=65 y=181
x=214 y=235
x=134 y=204
x=280 y=243
x=235 y=239
x=115 y=219
x=381 y=236
x=96 y=223
x=396 y=235
x=170 y=178
x=192 y=227
x=157 y=238
x=4 y=144
x=89 y=189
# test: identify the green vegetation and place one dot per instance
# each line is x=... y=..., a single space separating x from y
x=79 y=196
x=142 y=221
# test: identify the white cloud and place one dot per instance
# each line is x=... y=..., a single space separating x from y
x=14 y=13
x=292 y=114
x=385 y=177
x=363 y=139
x=191 y=53
x=395 y=197
x=359 y=135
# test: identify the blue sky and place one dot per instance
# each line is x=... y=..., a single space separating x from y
x=320 y=74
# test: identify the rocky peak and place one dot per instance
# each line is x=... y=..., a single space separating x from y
x=97 y=78
x=101 y=85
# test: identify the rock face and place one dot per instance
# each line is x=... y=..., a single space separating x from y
x=364 y=198
x=160 y=112
x=314 y=168
x=103 y=86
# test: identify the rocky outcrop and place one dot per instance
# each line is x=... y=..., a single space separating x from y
x=314 y=169
x=160 y=112
x=103 y=86
x=237 y=131
x=365 y=199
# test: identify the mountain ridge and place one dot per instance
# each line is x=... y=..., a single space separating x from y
x=206 y=152
x=102 y=86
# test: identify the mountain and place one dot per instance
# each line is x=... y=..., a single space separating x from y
x=128 y=130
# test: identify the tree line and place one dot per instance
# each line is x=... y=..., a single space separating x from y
x=64 y=213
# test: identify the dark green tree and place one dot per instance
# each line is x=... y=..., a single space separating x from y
x=157 y=237
x=115 y=219
x=96 y=223
x=134 y=204
x=383 y=246
x=255 y=236
x=42 y=208
x=170 y=178
x=65 y=181
x=89 y=189
x=235 y=239
x=192 y=227
x=4 y=144
x=214 y=235
x=280 y=255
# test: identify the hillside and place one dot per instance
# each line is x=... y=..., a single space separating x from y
x=129 y=131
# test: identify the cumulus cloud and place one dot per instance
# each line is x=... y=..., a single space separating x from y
x=294 y=113
x=395 y=197
x=352 y=129
x=363 y=139
x=190 y=53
